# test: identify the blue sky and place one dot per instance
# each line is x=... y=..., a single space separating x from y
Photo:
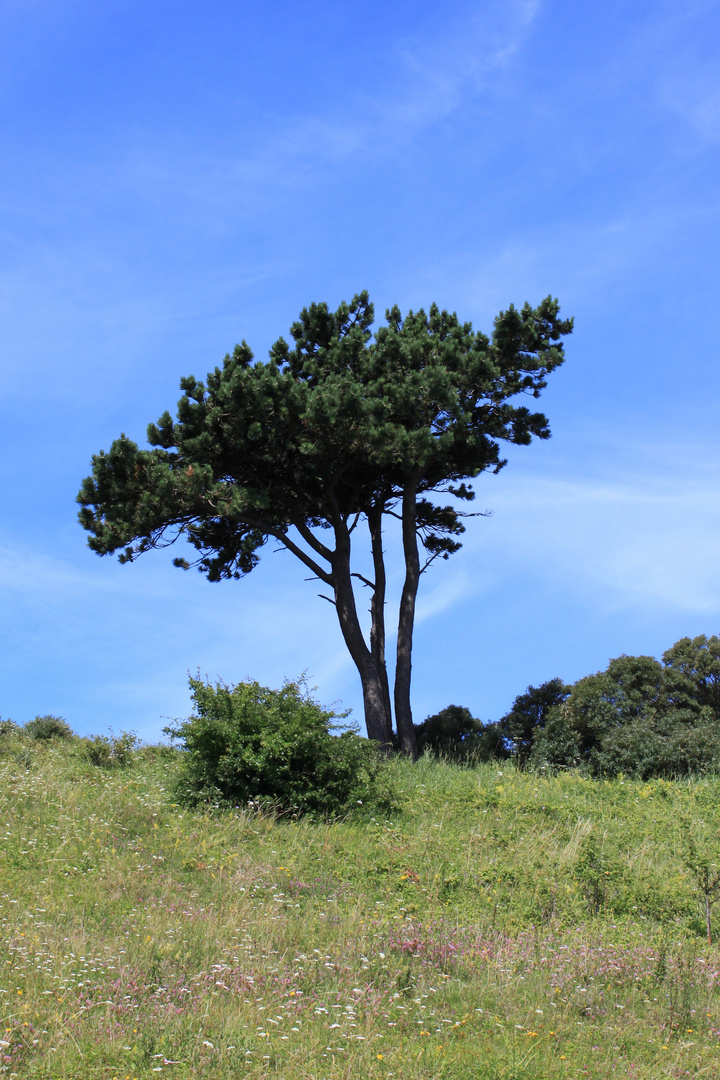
x=175 y=177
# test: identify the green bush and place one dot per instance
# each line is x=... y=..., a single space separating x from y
x=44 y=728
x=647 y=748
x=8 y=727
x=108 y=752
x=275 y=749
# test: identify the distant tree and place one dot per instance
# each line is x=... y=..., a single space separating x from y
x=519 y=728
x=455 y=733
x=445 y=731
x=630 y=688
x=338 y=430
x=556 y=745
x=692 y=674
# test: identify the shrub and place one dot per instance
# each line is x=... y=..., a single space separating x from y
x=8 y=727
x=275 y=749
x=110 y=752
x=44 y=728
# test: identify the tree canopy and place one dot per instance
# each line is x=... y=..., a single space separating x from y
x=336 y=431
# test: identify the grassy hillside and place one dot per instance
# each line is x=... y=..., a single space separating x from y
x=500 y=925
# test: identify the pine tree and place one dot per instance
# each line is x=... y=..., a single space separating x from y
x=333 y=434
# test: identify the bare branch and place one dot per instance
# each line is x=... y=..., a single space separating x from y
x=428 y=561
x=303 y=557
x=365 y=581
x=312 y=540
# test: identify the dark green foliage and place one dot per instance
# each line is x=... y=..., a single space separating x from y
x=650 y=747
x=556 y=745
x=643 y=718
x=8 y=727
x=110 y=752
x=630 y=688
x=529 y=714
x=48 y=727
x=445 y=731
x=692 y=674
x=455 y=733
x=275 y=748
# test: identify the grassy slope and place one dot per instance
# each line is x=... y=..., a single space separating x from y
x=498 y=926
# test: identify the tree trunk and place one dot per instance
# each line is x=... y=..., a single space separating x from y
x=377 y=605
x=403 y=669
x=376 y=719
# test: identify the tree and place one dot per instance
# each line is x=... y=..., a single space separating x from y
x=692 y=674
x=630 y=689
x=338 y=431
x=529 y=715
x=445 y=732
x=456 y=734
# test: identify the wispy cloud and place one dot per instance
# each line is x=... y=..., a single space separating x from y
x=646 y=540
x=419 y=85
x=433 y=78
x=694 y=95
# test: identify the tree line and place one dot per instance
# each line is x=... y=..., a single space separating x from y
x=640 y=717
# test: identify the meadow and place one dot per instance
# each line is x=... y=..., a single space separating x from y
x=497 y=924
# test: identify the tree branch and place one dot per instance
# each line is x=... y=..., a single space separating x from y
x=303 y=557
x=428 y=561
x=365 y=581
x=312 y=540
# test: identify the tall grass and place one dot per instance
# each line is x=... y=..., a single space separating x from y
x=499 y=925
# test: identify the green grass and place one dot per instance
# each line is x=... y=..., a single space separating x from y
x=500 y=925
